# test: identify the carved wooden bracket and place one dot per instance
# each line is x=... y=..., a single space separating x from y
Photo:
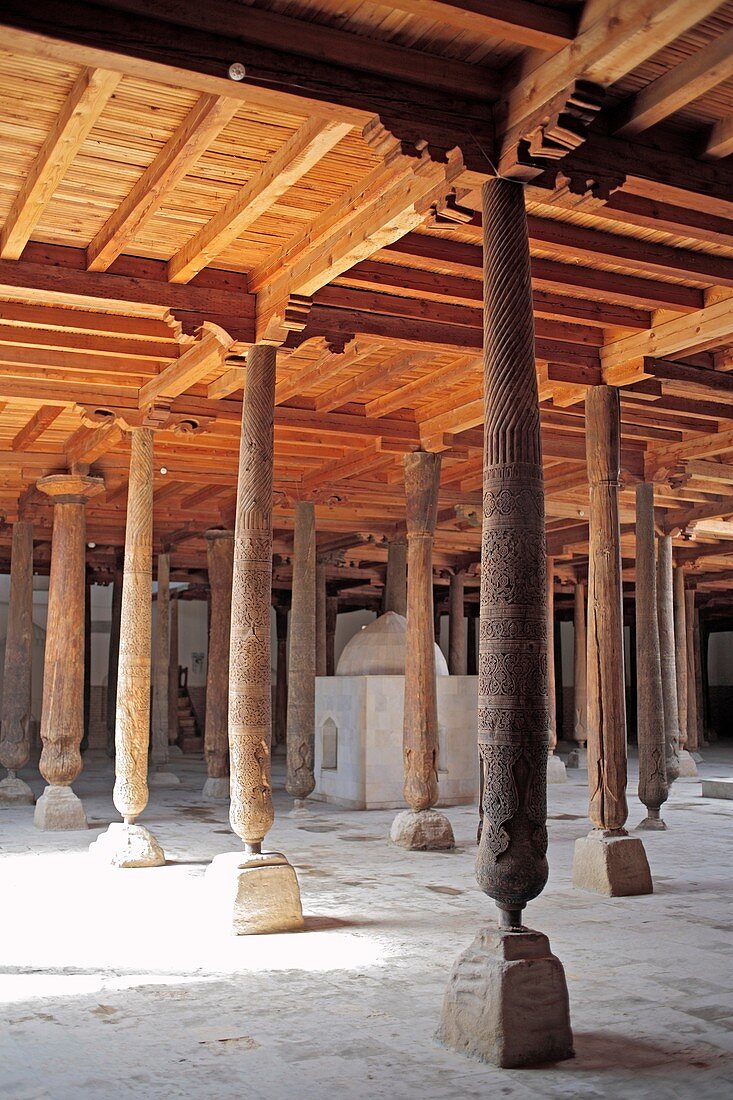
x=157 y=416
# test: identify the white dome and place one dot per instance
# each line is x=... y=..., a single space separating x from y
x=379 y=650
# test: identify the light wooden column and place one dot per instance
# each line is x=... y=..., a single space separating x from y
x=220 y=559
x=680 y=650
x=693 y=742
x=321 y=659
x=160 y=775
x=281 y=676
x=113 y=655
x=62 y=717
x=395 y=587
x=258 y=891
x=332 y=609
x=650 y=725
x=421 y=827
x=665 y=620
x=580 y=672
x=300 y=779
x=457 y=663
x=16 y=707
x=173 y=677
x=130 y=844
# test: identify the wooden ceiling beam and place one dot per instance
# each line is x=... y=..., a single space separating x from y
x=199 y=128
x=325 y=367
x=83 y=106
x=529 y=24
x=89 y=444
x=196 y=362
x=381 y=375
x=719 y=139
x=659 y=462
x=414 y=392
x=36 y=426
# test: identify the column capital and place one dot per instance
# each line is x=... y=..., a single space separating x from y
x=214 y=534
x=70 y=488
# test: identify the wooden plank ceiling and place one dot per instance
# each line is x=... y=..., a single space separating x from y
x=158 y=216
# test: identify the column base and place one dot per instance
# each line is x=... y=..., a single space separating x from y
x=59 y=808
x=611 y=863
x=163 y=778
x=175 y=750
x=216 y=789
x=424 y=831
x=124 y=845
x=507 y=1001
x=652 y=822
x=15 y=792
x=301 y=808
x=688 y=767
x=254 y=894
x=578 y=758
x=555 y=769
x=697 y=757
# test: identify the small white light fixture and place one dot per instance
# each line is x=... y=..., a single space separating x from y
x=91 y=545
x=164 y=469
x=237 y=71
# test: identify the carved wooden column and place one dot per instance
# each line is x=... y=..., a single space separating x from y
x=555 y=768
x=16 y=709
x=395 y=587
x=608 y=860
x=321 y=597
x=665 y=620
x=693 y=743
x=457 y=625
x=220 y=558
x=687 y=761
x=421 y=827
x=160 y=774
x=650 y=726
x=513 y=718
x=113 y=656
x=173 y=747
x=62 y=717
x=580 y=678
x=258 y=891
x=281 y=676
x=300 y=779
x=126 y=844
x=332 y=610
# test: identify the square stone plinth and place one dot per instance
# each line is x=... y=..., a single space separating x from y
x=507 y=1001
x=254 y=894
x=688 y=767
x=14 y=792
x=127 y=845
x=59 y=808
x=612 y=864
x=715 y=788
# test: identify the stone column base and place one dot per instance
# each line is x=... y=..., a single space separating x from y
x=578 y=758
x=424 y=831
x=688 y=767
x=254 y=894
x=59 y=808
x=507 y=1001
x=611 y=863
x=14 y=791
x=652 y=822
x=175 y=750
x=216 y=789
x=555 y=769
x=161 y=777
x=697 y=757
x=126 y=845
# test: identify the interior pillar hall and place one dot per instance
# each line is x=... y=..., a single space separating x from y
x=693 y=742
x=457 y=640
x=421 y=827
x=127 y=844
x=62 y=716
x=555 y=768
x=665 y=619
x=113 y=656
x=395 y=586
x=160 y=775
x=253 y=891
x=492 y=978
x=300 y=779
x=220 y=559
x=608 y=860
x=579 y=756
x=650 y=725
x=15 y=744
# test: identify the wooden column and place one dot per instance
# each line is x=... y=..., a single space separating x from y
x=84 y=747
x=457 y=664
x=551 y=682
x=281 y=675
x=62 y=718
x=699 y=694
x=395 y=588
x=321 y=659
x=472 y=655
x=173 y=675
x=300 y=779
x=220 y=559
x=693 y=744
x=606 y=687
x=665 y=620
x=580 y=670
x=332 y=609
x=160 y=775
x=650 y=725
x=680 y=645
x=113 y=655
x=16 y=707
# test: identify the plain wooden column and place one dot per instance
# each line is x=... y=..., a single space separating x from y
x=332 y=610
x=653 y=788
x=580 y=667
x=699 y=694
x=395 y=588
x=281 y=675
x=173 y=673
x=420 y=729
x=606 y=687
x=693 y=743
x=551 y=681
x=680 y=647
x=300 y=779
x=321 y=658
x=457 y=625
x=113 y=656
x=665 y=620
x=159 y=754
x=472 y=655
x=220 y=560
x=16 y=707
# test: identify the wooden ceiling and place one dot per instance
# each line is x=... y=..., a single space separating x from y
x=158 y=216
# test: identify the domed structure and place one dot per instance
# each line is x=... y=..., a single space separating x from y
x=379 y=650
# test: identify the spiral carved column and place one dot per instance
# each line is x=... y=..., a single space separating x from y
x=16 y=709
x=300 y=779
x=62 y=718
x=653 y=788
x=220 y=558
x=457 y=652
x=258 y=891
x=513 y=717
x=160 y=775
x=665 y=620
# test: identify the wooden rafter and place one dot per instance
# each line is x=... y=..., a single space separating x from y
x=530 y=24
x=36 y=426
x=719 y=141
x=199 y=360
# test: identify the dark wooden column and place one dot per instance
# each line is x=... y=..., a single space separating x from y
x=653 y=788
x=472 y=654
x=300 y=779
x=16 y=708
x=160 y=775
x=680 y=645
x=332 y=610
x=173 y=677
x=457 y=655
x=395 y=588
x=113 y=656
x=665 y=620
x=693 y=741
x=84 y=747
x=62 y=718
x=281 y=675
x=580 y=674
x=321 y=659
x=220 y=561
x=555 y=767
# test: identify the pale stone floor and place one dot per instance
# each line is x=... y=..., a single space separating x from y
x=112 y=983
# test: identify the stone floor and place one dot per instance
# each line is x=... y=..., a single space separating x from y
x=113 y=985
